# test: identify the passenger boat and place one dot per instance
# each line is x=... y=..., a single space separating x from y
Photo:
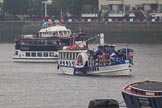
x=44 y=46
x=78 y=59
x=143 y=94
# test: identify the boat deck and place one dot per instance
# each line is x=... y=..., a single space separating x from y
x=151 y=86
x=145 y=88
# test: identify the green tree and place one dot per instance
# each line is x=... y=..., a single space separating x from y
x=16 y=6
x=64 y=8
x=68 y=6
x=35 y=8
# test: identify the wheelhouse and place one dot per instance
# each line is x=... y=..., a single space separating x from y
x=57 y=30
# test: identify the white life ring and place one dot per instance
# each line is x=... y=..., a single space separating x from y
x=81 y=60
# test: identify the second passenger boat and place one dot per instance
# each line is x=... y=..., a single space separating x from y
x=44 y=46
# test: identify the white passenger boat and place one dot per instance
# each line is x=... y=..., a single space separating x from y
x=105 y=61
x=44 y=46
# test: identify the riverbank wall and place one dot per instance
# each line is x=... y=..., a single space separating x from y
x=120 y=32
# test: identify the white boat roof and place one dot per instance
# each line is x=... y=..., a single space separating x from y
x=54 y=28
x=84 y=51
x=115 y=45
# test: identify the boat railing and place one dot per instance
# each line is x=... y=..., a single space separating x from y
x=50 y=25
x=106 y=61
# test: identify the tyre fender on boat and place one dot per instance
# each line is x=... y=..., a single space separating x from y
x=81 y=60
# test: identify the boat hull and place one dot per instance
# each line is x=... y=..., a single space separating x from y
x=22 y=57
x=36 y=60
x=116 y=70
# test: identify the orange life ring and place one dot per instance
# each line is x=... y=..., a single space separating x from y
x=73 y=47
x=79 y=60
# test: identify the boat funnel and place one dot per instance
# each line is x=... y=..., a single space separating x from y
x=102 y=39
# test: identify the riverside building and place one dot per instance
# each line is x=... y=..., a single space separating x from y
x=120 y=8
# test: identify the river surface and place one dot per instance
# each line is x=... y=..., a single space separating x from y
x=39 y=85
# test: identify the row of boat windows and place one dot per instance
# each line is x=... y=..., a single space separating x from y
x=57 y=33
x=68 y=55
x=39 y=42
x=39 y=54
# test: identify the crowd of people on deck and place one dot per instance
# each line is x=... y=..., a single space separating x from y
x=111 y=56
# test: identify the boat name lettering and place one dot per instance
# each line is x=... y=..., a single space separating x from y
x=24 y=48
x=67 y=63
x=150 y=94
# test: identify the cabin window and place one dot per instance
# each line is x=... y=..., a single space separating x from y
x=34 y=42
x=60 y=32
x=68 y=32
x=39 y=54
x=54 y=42
x=30 y=42
x=45 y=42
x=73 y=56
x=33 y=54
x=40 y=33
x=56 y=54
x=51 y=54
x=64 y=55
x=27 y=54
x=67 y=57
x=65 y=33
x=22 y=42
x=27 y=42
x=56 y=33
x=70 y=55
x=59 y=55
x=45 y=54
x=41 y=42
x=76 y=55
x=16 y=52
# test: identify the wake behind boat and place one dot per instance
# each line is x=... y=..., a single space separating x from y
x=105 y=61
x=44 y=46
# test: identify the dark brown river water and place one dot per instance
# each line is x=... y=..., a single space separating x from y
x=38 y=85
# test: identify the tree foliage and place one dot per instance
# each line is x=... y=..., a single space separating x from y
x=16 y=6
x=36 y=7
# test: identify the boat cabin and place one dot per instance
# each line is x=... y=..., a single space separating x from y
x=68 y=57
x=57 y=30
